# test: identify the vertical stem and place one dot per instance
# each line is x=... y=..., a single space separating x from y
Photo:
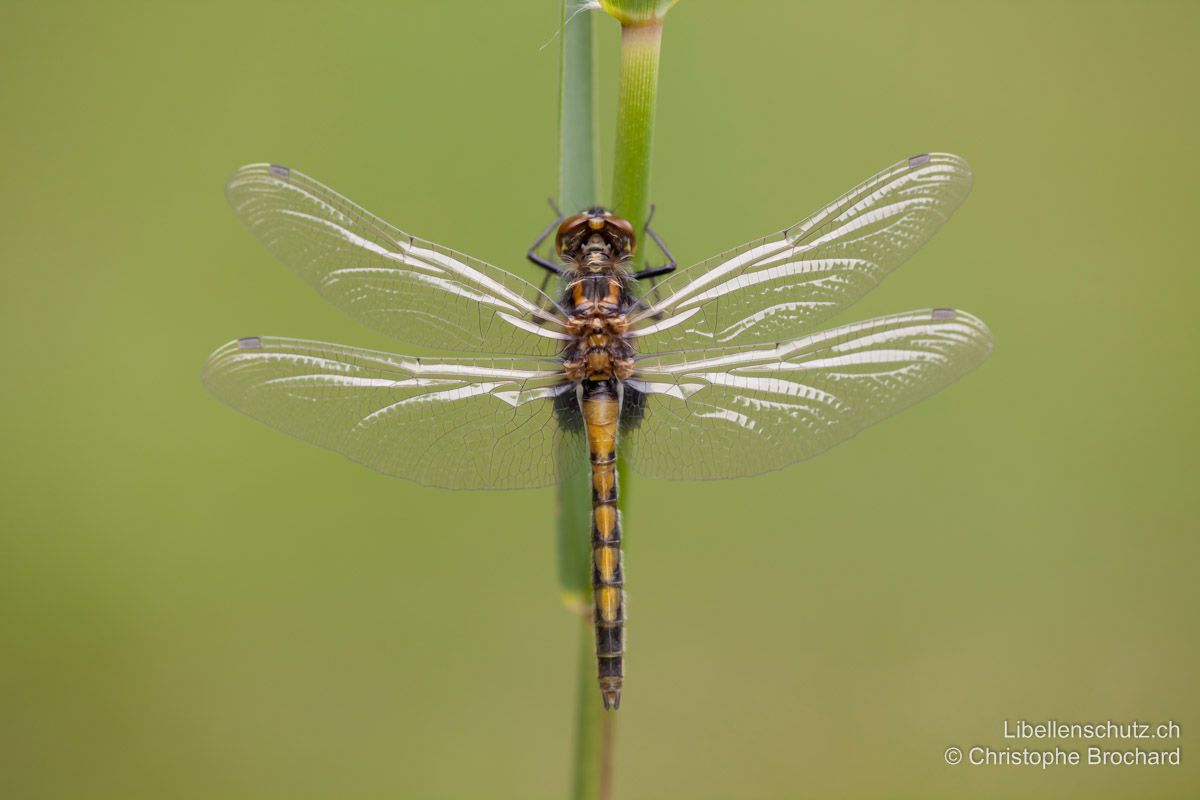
x=578 y=147
x=578 y=189
x=594 y=726
x=640 y=45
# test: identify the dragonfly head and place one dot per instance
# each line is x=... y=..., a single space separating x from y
x=595 y=231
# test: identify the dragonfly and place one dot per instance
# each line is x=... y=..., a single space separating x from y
x=715 y=371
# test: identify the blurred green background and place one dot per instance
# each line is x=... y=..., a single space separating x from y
x=194 y=606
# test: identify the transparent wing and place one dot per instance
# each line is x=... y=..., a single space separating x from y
x=388 y=280
x=457 y=423
x=776 y=288
x=731 y=412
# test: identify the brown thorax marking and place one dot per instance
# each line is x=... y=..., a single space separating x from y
x=597 y=245
x=596 y=355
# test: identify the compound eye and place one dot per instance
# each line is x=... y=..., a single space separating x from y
x=569 y=227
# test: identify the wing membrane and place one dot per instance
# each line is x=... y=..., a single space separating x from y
x=777 y=287
x=456 y=423
x=390 y=281
x=731 y=412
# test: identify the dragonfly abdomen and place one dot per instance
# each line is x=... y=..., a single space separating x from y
x=601 y=411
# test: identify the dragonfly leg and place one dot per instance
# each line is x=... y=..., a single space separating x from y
x=541 y=261
x=654 y=272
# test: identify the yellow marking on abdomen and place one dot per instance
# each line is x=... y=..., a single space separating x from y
x=604 y=481
x=607 y=559
x=608 y=602
x=600 y=414
x=605 y=519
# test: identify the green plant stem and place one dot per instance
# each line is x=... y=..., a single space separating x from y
x=578 y=189
x=579 y=142
x=594 y=726
x=640 y=46
x=637 y=12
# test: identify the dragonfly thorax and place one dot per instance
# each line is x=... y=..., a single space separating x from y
x=596 y=246
x=597 y=301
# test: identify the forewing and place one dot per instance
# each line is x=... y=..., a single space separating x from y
x=388 y=280
x=730 y=412
x=456 y=423
x=778 y=287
